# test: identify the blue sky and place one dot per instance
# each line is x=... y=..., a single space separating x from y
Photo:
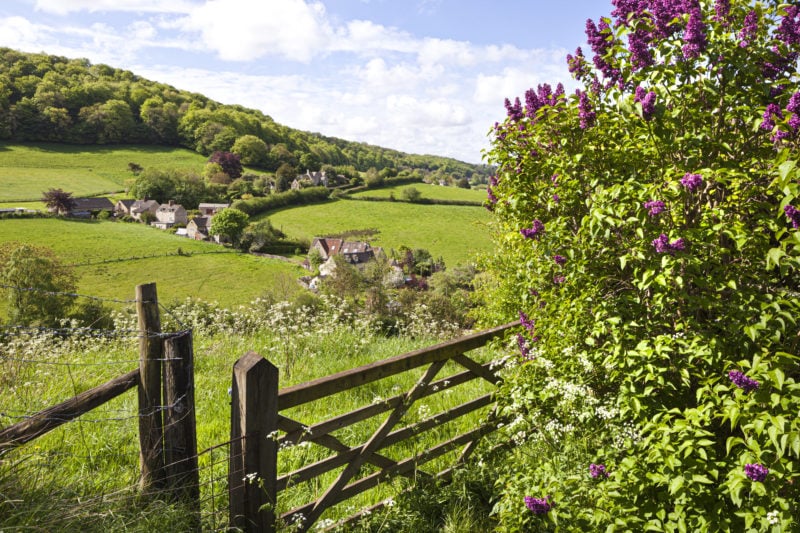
x=422 y=76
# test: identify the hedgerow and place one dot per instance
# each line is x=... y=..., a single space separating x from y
x=647 y=233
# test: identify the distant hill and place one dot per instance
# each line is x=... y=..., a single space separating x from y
x=46 y=98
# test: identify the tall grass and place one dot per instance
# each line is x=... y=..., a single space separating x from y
x=82 y=476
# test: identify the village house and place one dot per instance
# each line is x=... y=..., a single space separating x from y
x=209 y=210
x=353 y=252
x=90 y=207
x=140 y=207
x=198 y=227
x=170 y=214
x=123 y=207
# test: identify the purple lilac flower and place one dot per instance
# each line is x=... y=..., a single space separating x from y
x=597 y=38
x=772 y=110
x=722 y=9
x=780 y=63
x=556 y=198
x=598 y=471
x=526 y=322
x=756 y=471
x=535 y=231
x=692 y=181
x=514 y=110
x=662 y=245
x=538 y=505
x=639 y=46
x=780 y=135
x=577 y=64
x=793 y=214
x=559 y=279
x=749 y=29
x=623 y=8
x=742 y=381
x=664 y=13
x=654 y=207
x=647 y=100
x=560 y=260
x=789 y=29
x=585 y=111
x=694 y=35
x=794 y=103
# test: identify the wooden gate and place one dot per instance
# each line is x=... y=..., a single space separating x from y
x=256 y=415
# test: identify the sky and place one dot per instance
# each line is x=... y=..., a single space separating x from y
x=421 y=76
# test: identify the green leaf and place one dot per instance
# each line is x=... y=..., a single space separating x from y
x=676 y=484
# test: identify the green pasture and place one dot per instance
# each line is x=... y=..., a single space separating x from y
x=230 y=279
x=433 y=192
x=26 y=170
x=457 y=233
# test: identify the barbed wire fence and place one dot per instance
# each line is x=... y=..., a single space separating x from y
x=86 y=474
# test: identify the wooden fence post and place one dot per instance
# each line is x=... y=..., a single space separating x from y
x=182 y=477
x=252 y=474
x=151 y=460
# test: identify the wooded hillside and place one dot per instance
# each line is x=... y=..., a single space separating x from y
x=56 y=99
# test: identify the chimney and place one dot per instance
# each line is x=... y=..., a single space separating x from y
x=171 y=203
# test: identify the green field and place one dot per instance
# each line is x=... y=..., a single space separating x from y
x=433 y=192
x=228 y=278
x=456 y=233
x=26 y=170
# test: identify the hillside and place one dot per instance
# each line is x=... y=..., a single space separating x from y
x=46 y=98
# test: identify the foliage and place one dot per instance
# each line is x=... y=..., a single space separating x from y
x=411 y=194
x=257 y=206
x=647 y=236
x=229 y=162
x=251 y=150
x=229 y=224
x=163 y=185
x=258 y=237
x=34 y=280
x=58 y=201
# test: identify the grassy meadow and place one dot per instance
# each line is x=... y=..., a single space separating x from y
x=430 y=191
x=456 y=233
x=26 y=170
x=227 y=278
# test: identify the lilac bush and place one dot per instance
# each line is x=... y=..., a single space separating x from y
x=677 y=202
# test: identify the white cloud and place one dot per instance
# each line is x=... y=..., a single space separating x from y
x=19 y=32
x=64 y=7
x=245 y=30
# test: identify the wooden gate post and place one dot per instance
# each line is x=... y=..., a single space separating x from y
x=252 y=473
x=151 y=460
x=182 y=477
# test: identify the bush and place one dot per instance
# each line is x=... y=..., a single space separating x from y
x=257 y=206
x=647 y=240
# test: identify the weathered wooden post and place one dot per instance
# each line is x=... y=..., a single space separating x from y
x=182 y=477
x=151 y=459
x=252 y=473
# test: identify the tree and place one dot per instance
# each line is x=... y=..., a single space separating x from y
x=647 y=229
x=284 y=176
x=411 y=194
x=258 y=237
x=58 y=201
x=37 y=283
x=463 y=183
x=229 y=224
x=251 y=150
x=229 y=162
x=310 y=161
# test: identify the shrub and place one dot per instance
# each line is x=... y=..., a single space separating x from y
x=647 y=240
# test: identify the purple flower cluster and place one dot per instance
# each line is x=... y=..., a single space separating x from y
x=749 y=29
x=780 y=64
x=722 y=9
x=756 y=471
x=600 y=39
x=623 y=8
x=535 y=231
x=524 y=347
x=742 y=381
x=793 y=214
x=639 y=46
x=694 y=35
x=514 y=111
x=560 y=260
x=577 y=64
x=662 y=245
x=647 y=100
x=542 y=96
x=654 y=207
x=559 y=279
x=585 y=111
x=526 y=322
x=793 y=107
x=772 y=110
x=538 y=505
x=664 y=13
x=492 y=199
x=692 y=181
x=789 y=29
x=598 y=471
